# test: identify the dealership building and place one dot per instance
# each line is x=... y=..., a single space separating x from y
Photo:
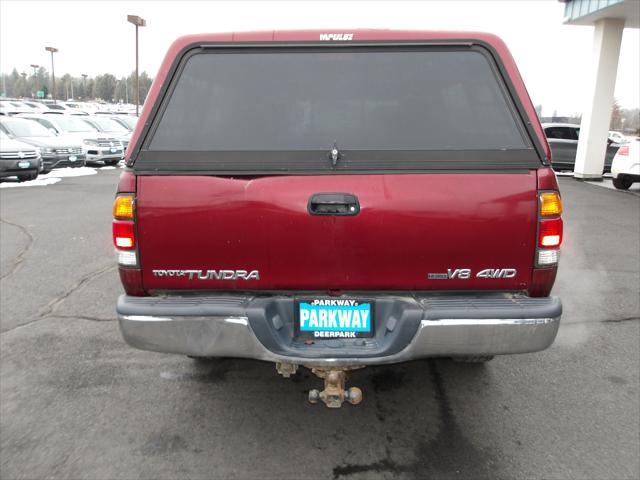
x=609 y=19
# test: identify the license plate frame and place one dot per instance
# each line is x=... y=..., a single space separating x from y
x=324 y=328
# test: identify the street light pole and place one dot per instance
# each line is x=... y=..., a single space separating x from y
x=24 y=78
x=84 y=85
x=138 y=22
x=53 y=72
x=35 y=77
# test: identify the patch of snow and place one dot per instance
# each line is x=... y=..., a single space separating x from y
x=69 y=172
x=38 y=182
x=52 y=177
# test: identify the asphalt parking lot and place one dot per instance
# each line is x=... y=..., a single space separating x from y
x=76 y=402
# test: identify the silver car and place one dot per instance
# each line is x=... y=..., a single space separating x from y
x=56 y=151
x=109 y=127
x=99 y=148
x=18 y=159
x=563 y=140
x=127 y=121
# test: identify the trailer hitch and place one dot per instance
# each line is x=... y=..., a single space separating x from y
x=334 y=393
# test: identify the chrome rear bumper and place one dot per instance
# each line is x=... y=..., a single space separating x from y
x=196 y=329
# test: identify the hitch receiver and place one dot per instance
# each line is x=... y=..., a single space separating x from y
x=334 y=394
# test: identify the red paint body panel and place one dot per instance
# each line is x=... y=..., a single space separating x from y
x=547 y=179
x=542 y=282
x=409 y=225
x=127 y=182
x=131 y=279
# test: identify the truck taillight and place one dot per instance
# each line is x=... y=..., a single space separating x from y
x=123 y=207
x=550 y=229
x=124 y=235
x=550 y=233
x=124 y=230
x=550 y=204
x=623 y=150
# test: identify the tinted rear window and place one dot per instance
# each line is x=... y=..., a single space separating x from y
x=371 y=100
x=387 y=108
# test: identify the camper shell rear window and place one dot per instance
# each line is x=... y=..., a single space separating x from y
x=281 y=110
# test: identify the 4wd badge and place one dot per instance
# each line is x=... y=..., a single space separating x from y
x=466 y=273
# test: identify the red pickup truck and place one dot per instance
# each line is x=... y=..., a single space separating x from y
x=338 y=199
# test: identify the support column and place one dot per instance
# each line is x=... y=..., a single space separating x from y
x=592 y=146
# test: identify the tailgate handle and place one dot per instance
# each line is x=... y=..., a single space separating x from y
x=341 y=204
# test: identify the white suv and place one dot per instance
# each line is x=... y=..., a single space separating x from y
x=625 y=167
x=617 y=137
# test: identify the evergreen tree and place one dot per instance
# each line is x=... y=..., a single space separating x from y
x=104 y=87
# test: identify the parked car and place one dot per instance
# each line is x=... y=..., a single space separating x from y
x=60 y=108
x=91 y=107
x=625 y=168
x=563 y=140
x=37 y=107
x=57 y=107
x=18 y=159
x=13 y=107
x=287 y=206
x=74 y=105
x=103 y=109
x=617 y=137
x=127 y=121
x=109 y=127
x=65 y=112
x=99 y=148
x=56 y=151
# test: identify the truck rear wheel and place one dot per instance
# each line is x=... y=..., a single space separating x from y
x=473 y=359
x=622 y=183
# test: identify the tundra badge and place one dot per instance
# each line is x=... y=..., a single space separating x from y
x=210 y=274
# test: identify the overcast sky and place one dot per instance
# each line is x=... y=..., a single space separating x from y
x=93 y=36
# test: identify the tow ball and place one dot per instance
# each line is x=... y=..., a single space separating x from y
x=334 y=393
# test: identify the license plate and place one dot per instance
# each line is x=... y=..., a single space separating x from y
x=114 y=150
x=73 y=158
x=324 y=318
x=24 y=164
